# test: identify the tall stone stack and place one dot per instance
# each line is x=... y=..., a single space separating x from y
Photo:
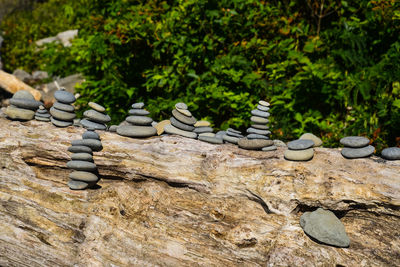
x=356 y=147
x=257 y=137
x=42 y=114
x=232 y=136
x=22 y=106
x=63 y=112
x=182 y=122
x=85 y=172
x=138 y=123
x=95 y=118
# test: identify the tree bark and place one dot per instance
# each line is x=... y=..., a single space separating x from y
x=11 y=84
x=174 y=201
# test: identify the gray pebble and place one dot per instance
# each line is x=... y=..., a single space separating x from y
x=94 y=144
x=97 y=107
x=23 y=94
x=139 y=120
x=42 y=119
x=260 y=126
x=233 y=131
x=259 y=120
x=300 y=144
x=230 y=139
x=212 y=140
x=113 y=128
x=170 y=129
x=181 y=105
x=257 y=136
x=91 y=124
x=182 y=118
x=221 y=133
x=80 y=165
x=60 y=123
x=64 y=107
x=254 y=144
x=83 y=176
x=80 y=149
x=181 y=125
x=138 y=111
x=233 y=134
x=203 y=129
x=43 y=115
x=96 y=116
x=262 y=108
x=263 y=103
x=299 y=155
x=77 y=185
x=353 y=153
x=82 y=156
x=89 y=134
x=64 y=97
x=25 y=103
x=391 y=153
x=269 y=148
x=259 y=113
x=62 y=115
x=136 y=131
x=252 y=130
x=354 y=141
x=138 y=105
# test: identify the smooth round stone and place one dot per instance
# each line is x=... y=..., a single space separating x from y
x=279 y=143
x=160 y=126
x=257 y=136
x=62 y=115
x=254 y=144
x=300 y=144
x=184 y=112
x=263 y=103
x=203 y=129
x=234 y=134
x=391 y=153
x=212 y=140
x=64 y=107
x=202 y=124
x=42 y=115
x=91 y=124
x=89 y=134
x=325 y=227
x=182 y=118
x=77 y=185
x=233 y=131
x=353 y=153
x=113 y=128
x=19 y=113
x=94 y=144
x=138 y=111
x=138 y=105
x=77 y=122
x=136 y=131
x=259 y=120
x=23 y=94
x=96 y=116
x=262 y=108
x=170 y=129
x=181 y=105
x=181 y=125
x=26 y=103
x=42 y=111
x=80 y=165
x=97 y=107
x=299 y=155
x=259 y=113
x=82 y=156
x=42 y=119
x=207 y=134
x=83 y=176
x=317 y=141
x=221 y=133
x=64 y=97
x=269 y=148
x=252 y=130
x=139 y=120
x=59 y=123
x=230 y=139
x=354 y=141
x=260 y=126
x=80 y=149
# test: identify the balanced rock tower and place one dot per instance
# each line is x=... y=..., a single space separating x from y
x=22 y=106
x=42 y=114
x=95 y=118
x=356 y=147
x=63 y=112
x=138 y=123
x=182 y=122
x=85 y=172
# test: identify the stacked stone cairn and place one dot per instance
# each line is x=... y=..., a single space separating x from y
x=182 y=122
x=232 y=136
x=257 y=138
x=95 y=118
x=63 y=112
x=42 y=114
x=356 y=147
x=22 y=106
x=300 y=150
x=205 y=133
x=85 y=174
x=138 y=123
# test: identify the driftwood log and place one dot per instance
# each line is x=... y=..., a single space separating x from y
x=173 y=201
x=11 y=84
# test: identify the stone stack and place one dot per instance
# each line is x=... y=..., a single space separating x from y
x=205 y=133
x=258 y=134
x=85 y=172
x=232 y=136
x=356 y=147
x=42 y=114
x=138 y=123
x=95 y=118
x=300 y=150
x=63 y=112
x=22 y=106
x=182 y=122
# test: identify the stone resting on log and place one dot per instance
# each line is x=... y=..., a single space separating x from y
x=176 y=201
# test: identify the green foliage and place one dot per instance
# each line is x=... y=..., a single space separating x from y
x=332 y=71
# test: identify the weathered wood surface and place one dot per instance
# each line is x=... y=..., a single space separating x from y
x=11 y=84
x=172 y=201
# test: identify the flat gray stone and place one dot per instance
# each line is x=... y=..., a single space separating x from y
x=138 y=111
x=317 y=141
x=60 y=123
x=83 y=176
x=138 y=105
x=136 y=131
x=113 y=128
x=252 y=130
x=259 y=113
x=19 y=113
x=279 y=143
x=23 y=94
x=80 y=149
x=181 y=105
x=263 y=103
x=77 y=122
x=212 y=140
x=62 y=115
x=353 y=153
x=94 y=144
x=257 y=136
x=77 y=185
x=325 y=227
x=96 y=116
x=221 y=133
x=82 y=156
x=64 y=97
x=64 y=107
x=181 y=125
x=25 y=103
x=262 y=108
x=42 y=119
x=184 y=112
x=230 y=139
x=299 y=155
x=207 y=134
x=170 y=129
x=354 y=141
x=233 y=131
x=260 y=126
x=254 y=144
x=90 y=135
x=269 y=148
x=300 y=144
x=391 y=153
x=259 y=120
x=97 y=107
x=182 y=118
x=203 y=129
x=42 y=111
x=234 y=134
x=80 y=165
x=91 y=124
x=139 y=120
x=43 y=115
